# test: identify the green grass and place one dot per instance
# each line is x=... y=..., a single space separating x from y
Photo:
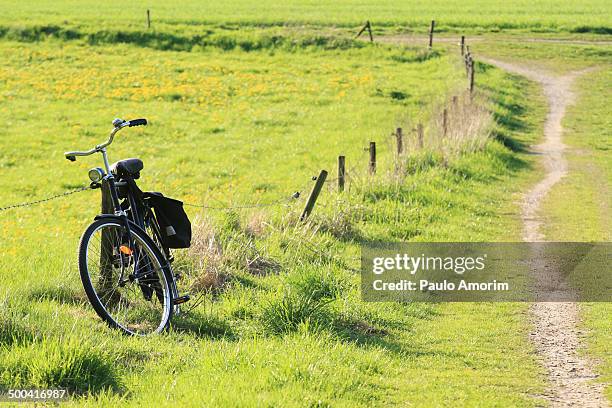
x=558 y=58
x=235 y=126
x=541 y=15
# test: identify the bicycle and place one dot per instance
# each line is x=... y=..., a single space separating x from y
x=124 y=255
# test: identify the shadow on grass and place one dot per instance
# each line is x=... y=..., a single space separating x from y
x=366 y=335
x=60 y=294
x=166 y=41
x=510 y=143
x=203 y=326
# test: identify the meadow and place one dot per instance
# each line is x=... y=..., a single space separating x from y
x=249 y=116
x=473 y=15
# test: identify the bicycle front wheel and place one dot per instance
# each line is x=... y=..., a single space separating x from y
x=125 y=279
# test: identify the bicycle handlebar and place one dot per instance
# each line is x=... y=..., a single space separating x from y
x=137 y=122
x=118 y=125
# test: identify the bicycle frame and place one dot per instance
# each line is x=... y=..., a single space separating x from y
x=118 y=124
x=101 y=148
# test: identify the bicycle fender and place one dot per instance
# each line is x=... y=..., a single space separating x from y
x=133 y=226
x=115 y=218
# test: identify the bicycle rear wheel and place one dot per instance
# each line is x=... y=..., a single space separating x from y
x=127 y=284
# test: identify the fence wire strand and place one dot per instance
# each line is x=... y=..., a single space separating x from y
x=44 y=200
x=283 y=201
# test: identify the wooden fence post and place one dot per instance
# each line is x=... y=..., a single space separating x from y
x=148 y=18
x=444 y=122
x=341 y=172
x=372 y=164
x=468 y=58
x=314 y=194
x=431 y=31
x=420 y=135
x=471 y=76
x=106 y=239
x=462 y=45
x=368 y=27
x=455 y=101
x=400 y=141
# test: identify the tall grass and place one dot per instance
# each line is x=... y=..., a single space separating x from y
x=468 y=126
x=78 y=365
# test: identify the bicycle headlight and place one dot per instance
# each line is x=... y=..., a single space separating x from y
x=96 y=174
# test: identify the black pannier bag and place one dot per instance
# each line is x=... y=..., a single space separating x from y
x=174 y=225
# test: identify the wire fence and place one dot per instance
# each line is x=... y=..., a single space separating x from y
x=44 y=200
x=282 y=201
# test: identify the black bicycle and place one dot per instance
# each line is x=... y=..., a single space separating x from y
x=125 y=254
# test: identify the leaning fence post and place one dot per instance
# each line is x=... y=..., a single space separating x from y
x=314 y=194
x=431 y=31
x=341 y=172
x=420 y=135
x=368 y=27
x=372 y=166
x=148 y=18
x=400 y=142
x=462 y=44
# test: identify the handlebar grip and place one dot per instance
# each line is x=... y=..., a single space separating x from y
x=138 y=122
x=71 y=158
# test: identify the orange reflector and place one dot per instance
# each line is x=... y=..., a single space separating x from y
x=125 y=250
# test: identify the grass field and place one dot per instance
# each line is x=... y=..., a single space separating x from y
x=304 y=106
x=487 y=15
x=248 y=113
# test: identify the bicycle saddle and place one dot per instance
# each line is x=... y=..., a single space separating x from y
x=127 y=167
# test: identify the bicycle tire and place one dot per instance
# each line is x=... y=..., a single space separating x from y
x=152 y=252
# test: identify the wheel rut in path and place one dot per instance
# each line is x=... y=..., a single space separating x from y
x=555 y=333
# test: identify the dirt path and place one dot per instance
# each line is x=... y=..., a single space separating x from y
x=556 y=336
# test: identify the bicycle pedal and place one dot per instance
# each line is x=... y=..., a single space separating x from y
x=181 y=299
